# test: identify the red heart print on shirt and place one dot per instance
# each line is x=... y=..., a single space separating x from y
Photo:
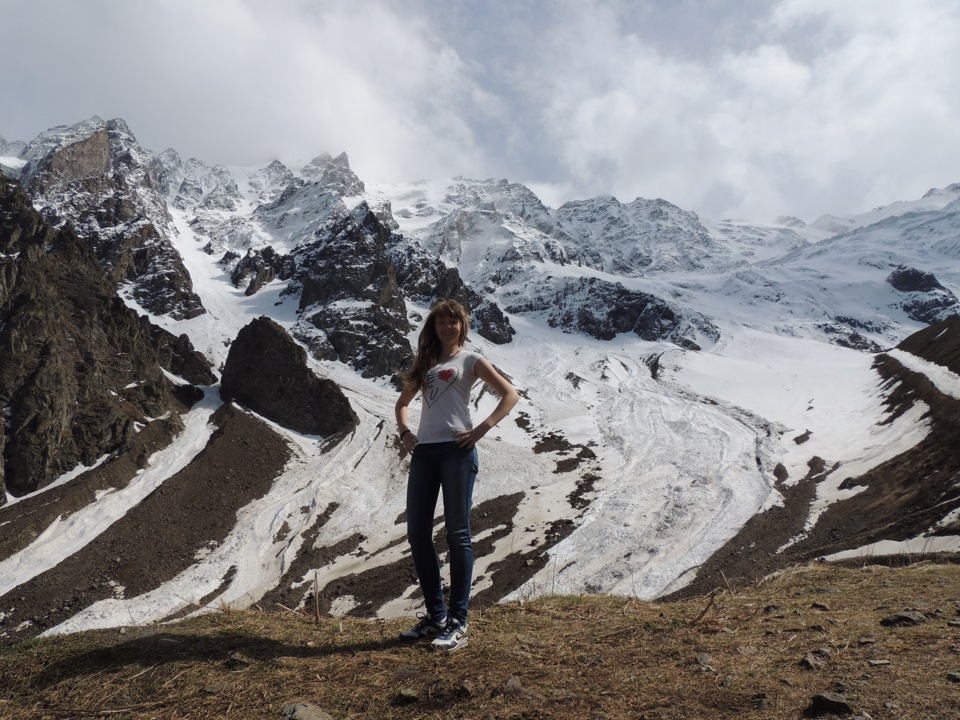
x=438 y=382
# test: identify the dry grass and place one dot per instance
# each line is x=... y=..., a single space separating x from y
x=735 y=655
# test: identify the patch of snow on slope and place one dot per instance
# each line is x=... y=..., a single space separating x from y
x=806 y=386
x=918 y=547
x=945 y=381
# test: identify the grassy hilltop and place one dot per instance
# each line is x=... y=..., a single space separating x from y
x=878 y=641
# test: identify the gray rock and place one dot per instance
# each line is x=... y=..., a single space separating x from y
x=305 y=711
x=513 y=688
x=828 y=703
x=407 y=696
x=816 y=659
x=907 y=617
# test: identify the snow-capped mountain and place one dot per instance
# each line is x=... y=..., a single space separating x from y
x=683 y=380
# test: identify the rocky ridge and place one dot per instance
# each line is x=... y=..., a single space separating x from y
x=80 y=373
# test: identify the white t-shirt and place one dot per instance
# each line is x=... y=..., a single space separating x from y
x=445 y=407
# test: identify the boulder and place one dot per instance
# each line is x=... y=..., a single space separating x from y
x=926 y=300
x=266 y=371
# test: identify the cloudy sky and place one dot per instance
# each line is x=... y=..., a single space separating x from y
x=731 y=108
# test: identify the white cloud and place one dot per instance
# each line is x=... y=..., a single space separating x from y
x=240 y=81
x=828 y=110
x=727 y=107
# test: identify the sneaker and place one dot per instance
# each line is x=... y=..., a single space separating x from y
x=453 y=637
x=427 y=627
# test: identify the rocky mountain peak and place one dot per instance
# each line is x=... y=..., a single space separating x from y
x=11 y=148
x=639 y=238
x=95 y=176
x=334 y=174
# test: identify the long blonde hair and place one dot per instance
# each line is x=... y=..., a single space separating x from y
x=429 y=346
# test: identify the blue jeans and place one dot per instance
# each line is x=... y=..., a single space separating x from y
x=448 y=467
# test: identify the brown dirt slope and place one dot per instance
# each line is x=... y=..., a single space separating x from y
x=160 y=537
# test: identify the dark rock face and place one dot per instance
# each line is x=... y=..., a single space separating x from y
x=938 y=343
x=96 y=177
x=177 y=354
x=267 y=372
x=907 y=279
x=843 y=336
x=603 y=310
x=428 y=279
x=351 y=308
x=928 y=301
x=79 y=371
x=259 y=267
x=491 y=323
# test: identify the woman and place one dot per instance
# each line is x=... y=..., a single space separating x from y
x=444 y=458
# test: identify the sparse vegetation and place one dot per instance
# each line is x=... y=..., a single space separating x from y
x=738 y=653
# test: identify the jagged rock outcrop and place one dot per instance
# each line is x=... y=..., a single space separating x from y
x=199 y=186
x=11 y=148
x=299 y=213
x=427 y=279
x=351 y=308
x=80 y=372
x=490 y=322
x=334 y=174
x=603 y=310
x=271 y=181
x=95 y=176
x=840 y=334
x=177 y=354
x=259 y=267
x=928 y=301
x=210 y=197
x=267 y=372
